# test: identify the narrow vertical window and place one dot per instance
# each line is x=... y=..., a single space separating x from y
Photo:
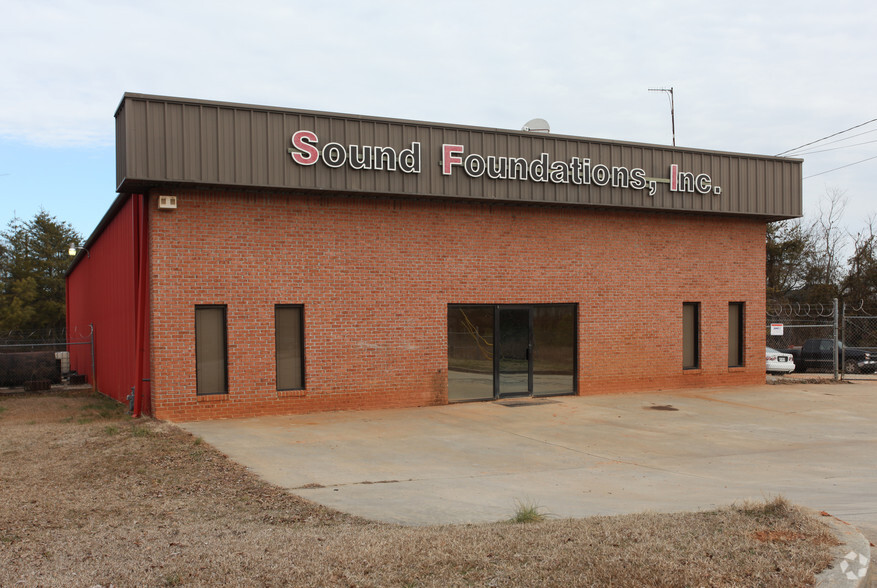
x=289 y=350
x=735 y=334
x=690 y=335
x=211 y=356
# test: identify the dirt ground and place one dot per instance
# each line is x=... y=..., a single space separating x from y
x=90 y=497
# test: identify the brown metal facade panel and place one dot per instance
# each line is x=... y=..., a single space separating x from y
x=227 y=146
x=121 y=144
x=242 y=154
x=191 y=136
x=207 y=147
x=168 y=140
x=175 y=132
x=156 y=148
x=276 y=158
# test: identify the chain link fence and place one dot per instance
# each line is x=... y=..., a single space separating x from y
x=859 y=336
x=791 y=325
x=829 y=338
x=40 y=359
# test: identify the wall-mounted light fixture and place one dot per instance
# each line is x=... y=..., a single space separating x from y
x=74 y=249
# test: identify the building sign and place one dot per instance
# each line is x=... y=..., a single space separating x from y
x=580 y=171
x=304 y=151
x=200 y=143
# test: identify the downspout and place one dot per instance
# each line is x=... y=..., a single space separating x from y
x=141 y=285
x=67 y=317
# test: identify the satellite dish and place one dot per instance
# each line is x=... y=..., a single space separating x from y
x=537 y=125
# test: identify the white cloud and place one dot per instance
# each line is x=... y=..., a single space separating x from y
x=748 y=75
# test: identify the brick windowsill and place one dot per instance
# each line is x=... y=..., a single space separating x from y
x=291 y=393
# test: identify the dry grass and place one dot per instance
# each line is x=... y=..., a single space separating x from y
x=90 y=497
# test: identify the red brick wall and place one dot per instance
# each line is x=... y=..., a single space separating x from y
x=375 y=276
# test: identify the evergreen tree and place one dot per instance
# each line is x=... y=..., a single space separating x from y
x=33 y=258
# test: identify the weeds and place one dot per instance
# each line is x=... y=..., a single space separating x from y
x=772 y=507
x=528 y=512
x=140 y=431
x=103 y=408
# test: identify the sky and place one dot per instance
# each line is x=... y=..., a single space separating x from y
x=748 y=76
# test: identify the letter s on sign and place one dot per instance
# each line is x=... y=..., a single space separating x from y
x=304 y=152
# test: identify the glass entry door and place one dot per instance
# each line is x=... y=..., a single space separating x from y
x=514 y=362
x=502 y=351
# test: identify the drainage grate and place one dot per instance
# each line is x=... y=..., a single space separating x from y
x=528 y=402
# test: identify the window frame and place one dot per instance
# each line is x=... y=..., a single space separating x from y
x=224 y=309
x=301 y=340
x=740 y=332
x=695 y=345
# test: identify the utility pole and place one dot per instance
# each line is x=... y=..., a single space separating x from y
x=672 y=108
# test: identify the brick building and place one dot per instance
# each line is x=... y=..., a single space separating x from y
x=268 y=261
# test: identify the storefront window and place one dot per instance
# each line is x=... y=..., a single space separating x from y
x=470 y=352
x=502 y=351
x=554 y=349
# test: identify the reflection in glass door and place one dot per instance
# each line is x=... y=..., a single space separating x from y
x=514 y=367
x=500 y=351
x=554 y=349
x=470 y=352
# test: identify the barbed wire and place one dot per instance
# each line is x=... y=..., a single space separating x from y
x=853 y=308
x=43 y=336
x=776 y=309
x=799 y=310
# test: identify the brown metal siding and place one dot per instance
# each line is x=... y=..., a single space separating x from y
x=167 y=140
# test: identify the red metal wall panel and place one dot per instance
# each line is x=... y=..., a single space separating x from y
x=101 y=294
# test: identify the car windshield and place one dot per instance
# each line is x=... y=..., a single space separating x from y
x=772 y=350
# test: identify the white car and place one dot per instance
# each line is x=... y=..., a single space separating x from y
x=778 y=362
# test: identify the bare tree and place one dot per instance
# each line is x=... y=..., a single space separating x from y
x=829 y=239
x=860 y=283
x=789 y=247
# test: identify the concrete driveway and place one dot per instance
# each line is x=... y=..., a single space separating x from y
x=815 y=444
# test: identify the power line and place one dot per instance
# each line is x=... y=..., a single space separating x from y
x=834 y=148
x=841 y=140
x=841 y=167
x=827 y=137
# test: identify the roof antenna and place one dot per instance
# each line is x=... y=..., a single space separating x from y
x=537 y=125
x=672 y=109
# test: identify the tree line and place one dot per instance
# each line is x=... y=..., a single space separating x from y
x=815 y=260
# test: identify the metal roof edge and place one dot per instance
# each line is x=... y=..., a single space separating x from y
x=106 y=220
x=432 y=124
